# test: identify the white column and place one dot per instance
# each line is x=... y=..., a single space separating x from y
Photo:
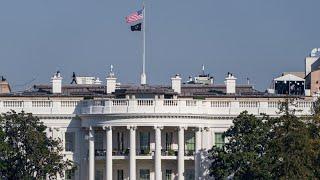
x=158 y=171
x=181 y=153
x=132 y=152
x=91 y=154
x=197 y=154
x=108 y=152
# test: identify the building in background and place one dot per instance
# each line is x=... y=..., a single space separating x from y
x=312 y=69
x=289 y=84
x=304 y=83
x=4 y=86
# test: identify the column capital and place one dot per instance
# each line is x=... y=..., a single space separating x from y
x=158 y=127
x=199 y=128
x=183 y=127
x=107 y=127
x=133 y=127
x=206 y=129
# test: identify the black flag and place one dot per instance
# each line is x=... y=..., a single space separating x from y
x=136 y=27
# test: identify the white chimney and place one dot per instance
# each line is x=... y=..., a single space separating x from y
x=56 y=81
x=176 y=83
x=111 y=81
x=230 y=83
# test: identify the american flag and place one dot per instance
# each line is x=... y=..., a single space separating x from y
x=133 y=17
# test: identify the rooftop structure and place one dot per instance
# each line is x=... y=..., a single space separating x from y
x=4 y=86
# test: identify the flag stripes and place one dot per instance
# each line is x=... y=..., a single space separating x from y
x=133 y=17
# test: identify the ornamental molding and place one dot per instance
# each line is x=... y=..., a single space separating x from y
x=153 y=116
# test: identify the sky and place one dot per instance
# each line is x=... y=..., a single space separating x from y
x=258 y=39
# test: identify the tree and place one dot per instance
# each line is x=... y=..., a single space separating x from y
x=294 y=148
x=25 y=150
x=287 y=147
x=290 y=150
x=240 y=157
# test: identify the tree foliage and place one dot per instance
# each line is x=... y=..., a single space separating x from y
x=287 y=147
x=25 y=150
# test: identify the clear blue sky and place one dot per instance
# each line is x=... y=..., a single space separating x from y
x=251 y=38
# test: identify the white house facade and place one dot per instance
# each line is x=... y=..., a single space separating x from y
x=127 y=132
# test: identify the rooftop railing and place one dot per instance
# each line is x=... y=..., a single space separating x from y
x=153 y=106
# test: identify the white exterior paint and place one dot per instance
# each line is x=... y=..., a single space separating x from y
x=158 y=117
x=230 y=83
x=309 y=62
x=176 y=83
x=56 y=81
x=111 y=84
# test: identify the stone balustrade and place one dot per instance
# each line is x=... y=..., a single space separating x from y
x=197 y=107
x=153 y=106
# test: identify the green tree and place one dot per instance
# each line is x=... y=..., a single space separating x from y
x=25 y=150
x=241 y=155
x=293 y=151
x=287 y=147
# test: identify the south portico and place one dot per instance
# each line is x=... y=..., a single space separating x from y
x=158 y=141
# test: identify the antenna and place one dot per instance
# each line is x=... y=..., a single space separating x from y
x=202 y=69
x=111 y=68
x=111 y=74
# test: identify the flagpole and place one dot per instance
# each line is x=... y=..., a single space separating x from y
x=143 y=75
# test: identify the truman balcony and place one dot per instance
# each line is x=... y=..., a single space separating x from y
x=145 y=143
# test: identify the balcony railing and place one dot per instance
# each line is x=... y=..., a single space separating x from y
x=123 y=152
x=115 y=152
x=100 y=152
x=189 y=152
x=169 y=152
x=142 y=152
x=213 y=107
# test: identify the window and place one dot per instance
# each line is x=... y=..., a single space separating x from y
x=190 y=144
x=69 y=141
x=189 y=174
x=120 y=138
x=169 y=136
x=144 y=142
x=144 y=174
x=120 y=174
x=98 y=140
x=219 y=140
x=99 y=175
x=69 y=174
x=168 y=175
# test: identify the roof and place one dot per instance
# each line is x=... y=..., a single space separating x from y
x=289 y=77
x=299 y=74
x=143 y=91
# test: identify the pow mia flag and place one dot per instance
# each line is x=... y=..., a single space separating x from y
x=136 y=27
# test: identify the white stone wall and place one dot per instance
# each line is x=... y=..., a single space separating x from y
x=63 y=114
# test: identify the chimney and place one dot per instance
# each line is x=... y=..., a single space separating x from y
x=230 y=83
x=111 y=81
x=176 y=83
x=4 y=86
x=56 y=81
